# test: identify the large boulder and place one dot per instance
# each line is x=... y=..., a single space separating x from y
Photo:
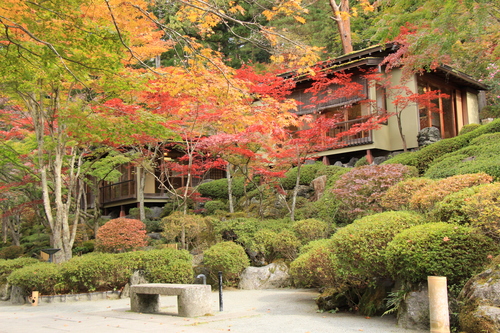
x=480 y=297
x=272 y=276
x=413 y=312
x=428 y=135
x=319 y=185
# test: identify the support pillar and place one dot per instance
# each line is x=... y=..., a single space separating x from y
x=438 y=304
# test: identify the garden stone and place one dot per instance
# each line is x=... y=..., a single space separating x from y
x=427 y=136
x=352 y=162
x=414 y=310
x=338 y=163
x=379 y=160
x=480 y=297
x=5 y=290
x=136 y=278
x=272 y=276
x=18 y=295
x=318 y=185
x=305 y=191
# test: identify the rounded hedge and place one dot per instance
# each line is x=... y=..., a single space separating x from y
x=360 y=246
x=440 y=249
x=10 y=265
x=483 y=210
x=452 y=208
x=316 y=266
x=215 y=205
x=161 y=266
x=228 y=258
x=310 y=229
x=44 y=277
x=121 y=235
x=398 y=196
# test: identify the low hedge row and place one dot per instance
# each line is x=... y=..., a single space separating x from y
x=104 y=271
x=423 y=158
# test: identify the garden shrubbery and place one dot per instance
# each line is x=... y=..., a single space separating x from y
x=44 y=277
x=228 y=258
x=121 y=235
x=316 y=266
x=103 y=271
x=441 y=249
x=217 y=189
x=311 y=229
x=398 y=196
x=361 y=189
x=424 y=199
x=360 y=246
x=191 y=230
x=8 y=266
x=481 y=155
x=423 y=158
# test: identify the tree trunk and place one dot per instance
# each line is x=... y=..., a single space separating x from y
x=342 y=17
x=295 y=192
x=230 y=187
x=400 y=127
x=141 y=183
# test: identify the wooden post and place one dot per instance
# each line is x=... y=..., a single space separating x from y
x=438 y=304
x=34 y=298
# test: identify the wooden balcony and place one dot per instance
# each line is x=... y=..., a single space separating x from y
x=361 y=138
x=118 y=191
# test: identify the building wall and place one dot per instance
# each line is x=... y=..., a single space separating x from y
x=472 y=108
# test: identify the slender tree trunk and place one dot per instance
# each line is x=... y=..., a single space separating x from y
x=342 y=17
x=230 y=187
x=295 y=192
x=141 y=184
x=400 y=127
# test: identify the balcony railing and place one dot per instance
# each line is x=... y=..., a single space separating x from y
x=360 y=138
x=118 y=191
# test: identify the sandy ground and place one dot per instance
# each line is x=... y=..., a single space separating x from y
x=244 y=311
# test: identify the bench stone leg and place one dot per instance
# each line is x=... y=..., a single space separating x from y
x=145 y=303
x=194 y=302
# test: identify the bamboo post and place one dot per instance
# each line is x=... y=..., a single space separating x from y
x=438 y=304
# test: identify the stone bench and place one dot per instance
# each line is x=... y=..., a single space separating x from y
x=193 y=300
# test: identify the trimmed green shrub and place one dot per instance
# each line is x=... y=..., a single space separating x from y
x=361 y=189
x=228 y=258
x=423 y=158
x=217 y=189
x=468 y=128
x=316 y=266
x=11 y=252
x=441 y=249
x=452 y=208
x=274 y=245
x=8 y=266
x=398 y=196
x=311 y=229
x=308 y=173
x=160 y=266
x=197 y=229
x=424 y=199
x=360 y=246
x=326 y=209
x=95 y=271
x=361 y=162
x=240 y=230
x=214 y=205
x=481 y=155
x=483 y=209
x=44 y=277
x=121 y=235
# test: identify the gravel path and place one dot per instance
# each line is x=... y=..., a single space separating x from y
x=244 y=311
